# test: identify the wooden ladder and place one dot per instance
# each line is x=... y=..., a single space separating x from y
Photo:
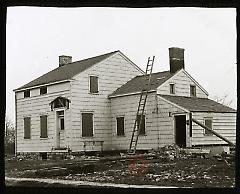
x=141 y=106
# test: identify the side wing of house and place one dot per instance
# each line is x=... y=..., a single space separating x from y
x=28 y=121
x=222 y=123
x=91 y=110
x=181 y=83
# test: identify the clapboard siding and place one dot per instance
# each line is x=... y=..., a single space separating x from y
x=112 y=73
x=182 y=86
x=223 y=123
x=34 y=107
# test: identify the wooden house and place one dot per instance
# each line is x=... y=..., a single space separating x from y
x=90 y=105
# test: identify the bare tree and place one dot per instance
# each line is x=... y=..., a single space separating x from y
x=224 y=100
x=9 y=139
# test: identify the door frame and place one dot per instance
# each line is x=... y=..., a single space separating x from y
x=57 y=129
x=174 y=127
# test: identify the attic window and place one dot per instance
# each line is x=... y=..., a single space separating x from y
x=26 y=93
x=192 y=91
x=172 y=88
x=93 y=84
x=43 y=90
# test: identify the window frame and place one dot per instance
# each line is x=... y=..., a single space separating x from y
x=90 y=84
x=24 y=130
x=143 y=134
x=170 y=88
x=195 y=91
x=123 y=134
x=205 y=133
x=26 y=92
x=90 y=112
x=46 y=126
x=41 y=88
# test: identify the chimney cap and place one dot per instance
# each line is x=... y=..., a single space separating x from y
x=176 y=48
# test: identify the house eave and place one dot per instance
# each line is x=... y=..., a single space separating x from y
x=129 y=94
x=37 y=86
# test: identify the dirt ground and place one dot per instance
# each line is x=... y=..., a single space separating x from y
x=184 y=171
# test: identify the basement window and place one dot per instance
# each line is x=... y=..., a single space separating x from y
x=93 y=86
x=209 y=123
x=27 y=127
x=43 y=90
x=87 y=124
x=26 y=93
x=142 y=127
x=192 y=91
x=172 y=88
x=120 y=126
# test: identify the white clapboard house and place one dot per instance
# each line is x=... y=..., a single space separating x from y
x=90 y=105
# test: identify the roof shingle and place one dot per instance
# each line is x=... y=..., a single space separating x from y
x=67 y=71
x=137 y=83
x=198 y=104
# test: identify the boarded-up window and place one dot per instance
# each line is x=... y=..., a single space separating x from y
x=27 y=127
x=172 y=88
x=208 y=123
x=43 y=126
x=120 y=125
x=87 y=124
x=43 y=90
x=142 y=127
x=26 y=93
x=193 y=91
x=93 y=84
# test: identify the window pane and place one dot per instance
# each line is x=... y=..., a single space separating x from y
x=120 y=126
x=87 y=124
x=26 y=93
x=27 y=127
x=142 y=127
x=43 y=123
x=93 y=84
x=43 y=90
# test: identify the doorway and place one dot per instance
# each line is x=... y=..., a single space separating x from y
x=180 y=130
x=60 y=126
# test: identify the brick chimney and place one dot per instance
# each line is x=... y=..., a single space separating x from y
x=63 y=60
x=176 y=57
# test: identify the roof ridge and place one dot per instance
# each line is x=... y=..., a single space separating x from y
x=155 y=73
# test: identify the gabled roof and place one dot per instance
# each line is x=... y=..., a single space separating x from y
x=136 y=84
x=194 y=104
x=66 y=72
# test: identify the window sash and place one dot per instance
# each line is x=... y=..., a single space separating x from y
x=43 y=126
x=87 y=124
x=27 y=127
x=120 y=126
x=93 y=84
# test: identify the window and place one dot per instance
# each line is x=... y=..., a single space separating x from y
x=87 y=124
x=43 y=126
x=26 y=93
x=43 y=90
x=172 y=88
x=61 y=119
x=142 y=127
x=93 y=84
x=193 y=91
x=120 y=126
x=208 y=123
x=27 y=127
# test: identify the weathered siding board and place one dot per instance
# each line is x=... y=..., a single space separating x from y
x=182 y=86
x=34 y=107
x=223 y=123
x=112 y=73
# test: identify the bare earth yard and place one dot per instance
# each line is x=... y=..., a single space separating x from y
x=185 y=171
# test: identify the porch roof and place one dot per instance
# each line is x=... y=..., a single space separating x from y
x=194 y=104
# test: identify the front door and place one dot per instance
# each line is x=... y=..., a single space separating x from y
x=180 y=130
x=60 y=128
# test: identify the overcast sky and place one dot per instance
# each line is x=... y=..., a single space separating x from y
x=37 y=36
